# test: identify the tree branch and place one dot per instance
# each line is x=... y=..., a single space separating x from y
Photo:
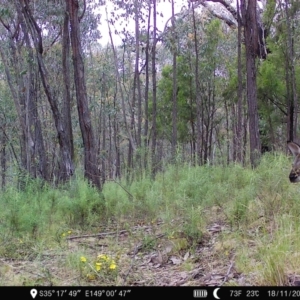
x=230 y=19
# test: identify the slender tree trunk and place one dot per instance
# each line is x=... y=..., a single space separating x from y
x=290 y=104
x=212 y=117
x=91 y=170
x=233 y=130
x=103 y=156
x=292 y=96
x=3 y=153
x=199 y=138
x=192 y=115
x=146 y=109
x=137 y=82
x=239 y=129
x=227 y=132
x=136 y=96
x=174 y=98
x=245 y=137
x=111 y=154
x=116 y=138
x=67 y=83
x=154 y=94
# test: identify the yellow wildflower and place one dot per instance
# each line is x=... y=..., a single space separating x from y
x=82 y=259
x=69 y=232
x=112 y=266
x=102 y=256
x=98 y=266
x=63 y=234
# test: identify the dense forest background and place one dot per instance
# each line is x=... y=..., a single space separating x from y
x=219 y=84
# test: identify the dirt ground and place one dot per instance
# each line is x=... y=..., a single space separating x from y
x=146 y=257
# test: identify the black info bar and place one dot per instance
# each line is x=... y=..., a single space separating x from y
x=138 y=292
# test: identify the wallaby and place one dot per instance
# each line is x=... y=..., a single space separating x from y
x=295 y=172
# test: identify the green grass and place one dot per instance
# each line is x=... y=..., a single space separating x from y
x=259 y=208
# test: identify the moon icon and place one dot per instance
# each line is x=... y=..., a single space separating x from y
x=215 y=293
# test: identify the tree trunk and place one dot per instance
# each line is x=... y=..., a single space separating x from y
x=199 y=138
x=250 y=32
x=137 y=82
x=67 y=83
x=292 y=97
x=227 y=132
x=146 y=109
x=91 y=171
x=239 y=129
x=3 y=153
x=233 y=130
x=117 y=173
x=33 y=123
x=174 y=98
x=102 y=152
x=66 y=161
x=154 y=94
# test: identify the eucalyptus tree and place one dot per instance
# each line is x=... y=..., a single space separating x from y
x=19 y=64
x=154 y=89
x=238 y=130
x=147 y=81
x=40 y=35
x=66 y=73
x=91 y=170
x=249 y=17
x=199 y=111
x=31 y=14
x=174 y=85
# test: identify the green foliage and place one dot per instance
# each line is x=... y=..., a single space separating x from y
x=117 y=200
x=185 y=100
x=209 y=62
x=185 y=199
x=274 y=74
x=81 y=204
x=268 y=84
x=35 y=210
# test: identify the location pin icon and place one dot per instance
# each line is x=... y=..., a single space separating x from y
x=33 y=293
